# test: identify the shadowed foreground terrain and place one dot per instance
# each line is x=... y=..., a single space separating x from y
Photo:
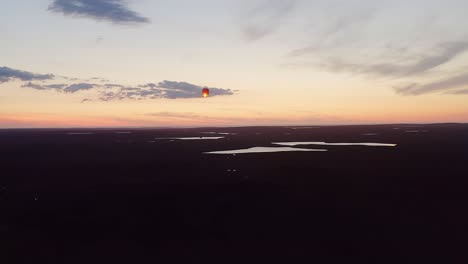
x=110 y=197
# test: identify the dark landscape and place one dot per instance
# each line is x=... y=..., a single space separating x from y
x=139 y=195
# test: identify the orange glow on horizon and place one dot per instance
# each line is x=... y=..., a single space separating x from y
x=34 y=120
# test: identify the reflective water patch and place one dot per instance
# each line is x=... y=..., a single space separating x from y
x=334 y=144
x=264 y=150
x=193 y=138
x=303 y=127
x=218 y=133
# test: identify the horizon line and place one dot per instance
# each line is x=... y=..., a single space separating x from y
x=246 y=126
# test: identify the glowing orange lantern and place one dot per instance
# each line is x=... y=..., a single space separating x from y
x=206 y=92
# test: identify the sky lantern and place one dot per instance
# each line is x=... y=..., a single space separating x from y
x=206 y=92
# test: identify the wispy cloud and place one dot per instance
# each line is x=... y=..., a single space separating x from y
x=79 y=87
x=463 y=91
x=57 y=87
x=265 y=18
x=441 y=54
x=8 y=74
x=338 y=26
x=396 y=41
x=449 y=85
x=115 y=11
x=72 y=88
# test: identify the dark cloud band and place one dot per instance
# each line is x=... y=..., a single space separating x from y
x=8 y=74
x=73 y=88
x=116 y=92
x=111 y=91
x=114 y=11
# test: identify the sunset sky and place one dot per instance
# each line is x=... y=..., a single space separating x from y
x=143 y=63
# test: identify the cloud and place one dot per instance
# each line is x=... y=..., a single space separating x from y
x=459 y=92
x=174 y=90
x=128 y=93
x=443 y=53
x=449 y=84
x=44 y=87
x=97 y=79
x=165 y=89
x=440 y=54
x=56 y=86
x=396 y=41
x=266 y=18
x=149 y=85
x=337 y=28
x=112 y=85
x=73 y=88
x=115 y=11
x=177 y=86
x=111 y=91
x=8 y=74
x=79 y=87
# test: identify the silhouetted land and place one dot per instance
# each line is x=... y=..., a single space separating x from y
x=108 y=197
